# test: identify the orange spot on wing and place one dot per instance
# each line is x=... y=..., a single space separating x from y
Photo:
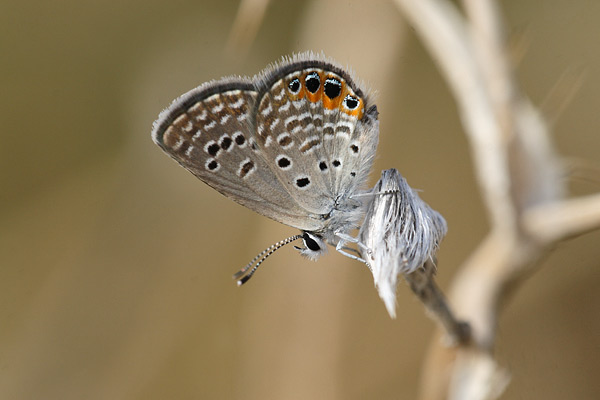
x=313 y=97
x=332 y=104
x=361 y=110
x=358 y=111
x=301 y=93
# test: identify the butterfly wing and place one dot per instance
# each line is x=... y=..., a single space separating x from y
x=209 y=132
x=318 y=129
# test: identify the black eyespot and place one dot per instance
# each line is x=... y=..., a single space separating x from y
x=294 y=85
x=322 y=165
x=353 y=174
x=313 y=82
x=213 y=149
x=302 y=182
x=351 y=102
x=213 y=165
x=310 y=242
x=333 y=88
x=226 y=142
x=354 y=148
x=240 y=140
x=336 y=163
x=283 y=162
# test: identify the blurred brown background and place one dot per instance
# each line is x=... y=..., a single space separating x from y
x=115 y=263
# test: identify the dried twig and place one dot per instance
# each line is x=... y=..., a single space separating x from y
x=248 y=20
x=423 y=285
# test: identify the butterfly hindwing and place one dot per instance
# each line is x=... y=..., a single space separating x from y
x=290 y=135
x=310 y=121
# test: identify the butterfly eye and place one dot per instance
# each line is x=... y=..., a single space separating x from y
x=351 y=102
x=333 y=88
x=313 y=82
x=294 y=86
x=310 y=242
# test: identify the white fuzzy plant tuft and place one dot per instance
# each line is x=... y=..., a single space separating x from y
x=400 y=232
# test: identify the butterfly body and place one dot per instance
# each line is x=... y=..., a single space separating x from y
x=294 y=143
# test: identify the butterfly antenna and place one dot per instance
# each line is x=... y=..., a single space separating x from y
x=244 y=276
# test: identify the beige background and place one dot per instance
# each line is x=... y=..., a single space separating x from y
x=115 y=263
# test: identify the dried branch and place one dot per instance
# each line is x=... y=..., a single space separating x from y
x=423 y=285
x=552 y=222
x=248 y=20
x=445 y=34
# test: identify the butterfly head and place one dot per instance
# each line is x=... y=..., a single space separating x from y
x=314 y=246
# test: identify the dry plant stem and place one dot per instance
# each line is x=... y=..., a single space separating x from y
x=248 y=19
x=444 y=33
x=557 y=221
x=423 y=285
x=488 y=42
x=480 y=286
x=448 y=38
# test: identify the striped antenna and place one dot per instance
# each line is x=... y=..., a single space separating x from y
x=246 y=273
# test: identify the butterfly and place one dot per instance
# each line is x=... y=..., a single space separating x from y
x=294 y=143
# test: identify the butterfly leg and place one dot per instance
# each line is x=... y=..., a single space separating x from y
x=344 y=250
x=351 y=250
x=349 y=239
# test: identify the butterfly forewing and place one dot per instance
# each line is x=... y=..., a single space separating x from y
x=208 y=131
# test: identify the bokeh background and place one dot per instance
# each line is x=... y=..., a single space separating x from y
x=115 y=263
